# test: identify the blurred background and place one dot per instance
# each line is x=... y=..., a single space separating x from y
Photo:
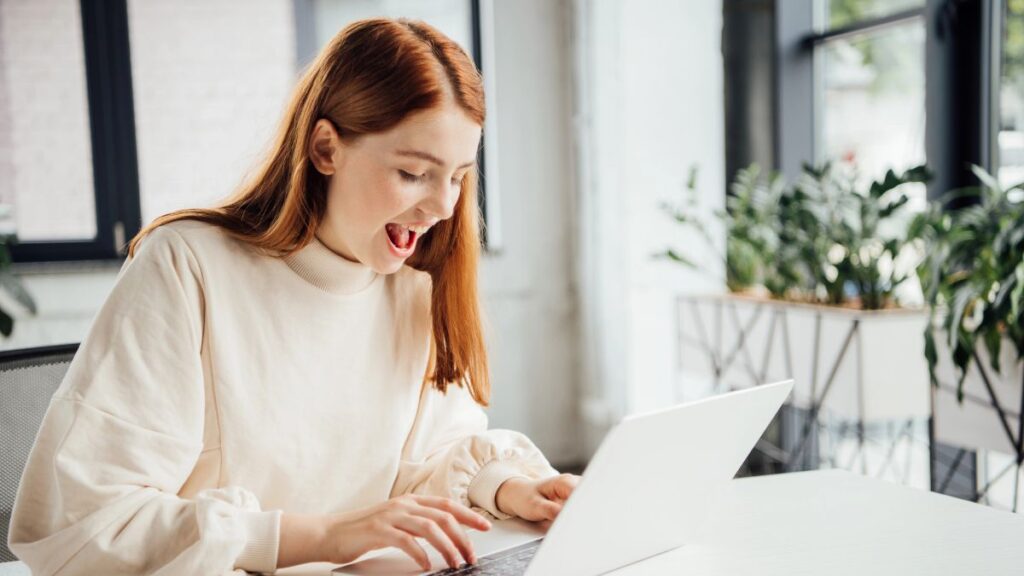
x=680 y=198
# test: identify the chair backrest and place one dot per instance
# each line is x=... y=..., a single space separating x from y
x=28 y=379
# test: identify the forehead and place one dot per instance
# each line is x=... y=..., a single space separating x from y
x=445 y=131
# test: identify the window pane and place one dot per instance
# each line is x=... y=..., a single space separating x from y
x=45 y=153
x=846 y=12
x=210 y=82
x=452 y=17
x=1011 y=108
x=872 y=97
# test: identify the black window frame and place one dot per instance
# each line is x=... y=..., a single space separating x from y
x=960 y=85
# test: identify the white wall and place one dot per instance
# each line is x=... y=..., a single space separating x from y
x=650 y=105
x=528 y=286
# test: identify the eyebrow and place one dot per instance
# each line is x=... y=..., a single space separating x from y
x=430 y=157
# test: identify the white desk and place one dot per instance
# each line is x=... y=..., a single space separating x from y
x=837 y=523
x=829 y=522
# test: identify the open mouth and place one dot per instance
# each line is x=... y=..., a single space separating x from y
x=403 y=238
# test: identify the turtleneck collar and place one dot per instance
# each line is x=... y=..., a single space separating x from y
x=328 y=270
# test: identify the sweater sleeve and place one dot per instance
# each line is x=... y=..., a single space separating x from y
x=122 y=434
x=450 y=452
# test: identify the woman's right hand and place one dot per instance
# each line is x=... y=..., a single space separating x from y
x=396 y=522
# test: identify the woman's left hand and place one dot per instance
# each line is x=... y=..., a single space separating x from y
x=536 y=500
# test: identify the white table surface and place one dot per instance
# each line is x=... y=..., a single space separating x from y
x=827 y=522
x=837 y=523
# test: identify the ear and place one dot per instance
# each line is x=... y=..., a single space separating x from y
x=324 y=143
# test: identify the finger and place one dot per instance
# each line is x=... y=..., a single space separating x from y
x=462 y=513
x=549 y=509
x=406 y=543
x=452 y=528
x=424 y=528
x=567 y=484
x=561 y=487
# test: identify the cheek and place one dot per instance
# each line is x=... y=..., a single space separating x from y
x=369 y=203
x=391 y=199
x=394 y=198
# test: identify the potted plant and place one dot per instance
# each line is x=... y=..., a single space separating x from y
x=813 y=271
x=973 y=280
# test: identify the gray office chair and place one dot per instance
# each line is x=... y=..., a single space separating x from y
x=28 y=379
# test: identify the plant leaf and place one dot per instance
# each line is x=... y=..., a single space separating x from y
x=6 y=324
x=985 y=178
x=691 y=180
x=930 y=354
x=1017 y=295
x=993 y=343
x=12 y=284
x=677 y=257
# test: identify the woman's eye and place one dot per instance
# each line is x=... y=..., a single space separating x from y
x=409 y=177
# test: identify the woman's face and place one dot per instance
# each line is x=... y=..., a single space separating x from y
x=388 y=189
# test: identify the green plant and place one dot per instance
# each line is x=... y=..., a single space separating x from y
x=855 y=235
x=821 y=240
x=764 y=223
x=973 y=275
x=749 y=235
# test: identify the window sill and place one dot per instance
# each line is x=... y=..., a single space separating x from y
x=66 y=267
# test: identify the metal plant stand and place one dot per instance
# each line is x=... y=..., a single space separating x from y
x=813 y=428
x=965 y=458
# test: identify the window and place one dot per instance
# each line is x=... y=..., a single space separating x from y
x=206 y=108
x=849 y=13
x=876 y=84
x=870 y=88
x=97 y=143
x=872 y=99
x=46 y=168
x=67 y=174
x=452 y=17
x=1011 y=95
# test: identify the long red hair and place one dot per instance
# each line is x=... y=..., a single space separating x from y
x=370 y=76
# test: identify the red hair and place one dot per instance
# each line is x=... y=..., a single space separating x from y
x=369 y=77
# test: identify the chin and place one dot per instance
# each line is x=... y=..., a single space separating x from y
x=387 y=266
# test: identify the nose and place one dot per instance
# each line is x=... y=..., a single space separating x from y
x=440 y=203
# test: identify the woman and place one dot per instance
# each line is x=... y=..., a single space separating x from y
x=297 y=375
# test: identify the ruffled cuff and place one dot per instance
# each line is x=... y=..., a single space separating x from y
x=263 y=530
x=483 y=489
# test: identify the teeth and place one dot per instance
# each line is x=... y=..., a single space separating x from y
x=419 y=230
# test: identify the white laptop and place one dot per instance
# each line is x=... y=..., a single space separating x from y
x=646 y=491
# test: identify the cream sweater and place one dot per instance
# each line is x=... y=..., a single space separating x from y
x=219 y=387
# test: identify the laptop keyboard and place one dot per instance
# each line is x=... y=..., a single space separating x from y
x=511 y=562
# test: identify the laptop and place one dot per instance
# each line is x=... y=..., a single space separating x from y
x=646 y=491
